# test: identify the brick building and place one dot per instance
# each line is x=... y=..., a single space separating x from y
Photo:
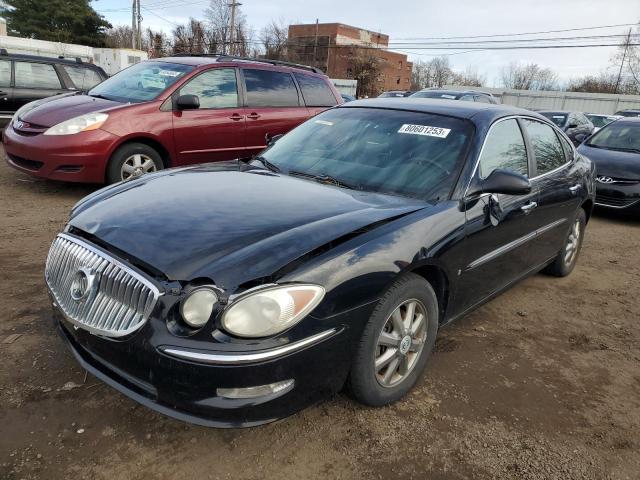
x=335 y=48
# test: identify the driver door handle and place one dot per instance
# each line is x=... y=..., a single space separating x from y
x=575 y=188
x=528 y=207
x=236 y=117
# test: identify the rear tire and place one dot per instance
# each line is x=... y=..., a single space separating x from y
x=567 y=258
x=395 y=345
x=132 y=160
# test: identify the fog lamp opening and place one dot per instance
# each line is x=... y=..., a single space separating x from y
x=257 y=391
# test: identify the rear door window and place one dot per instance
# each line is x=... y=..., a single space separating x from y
x=504 y=148
x=216 y=88
x=315 y=91
x=5 y=73
x=83 y=78
x=546 y=146
x=266 y=88
x=36 y=75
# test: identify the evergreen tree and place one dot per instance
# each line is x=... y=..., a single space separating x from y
x=67 y=21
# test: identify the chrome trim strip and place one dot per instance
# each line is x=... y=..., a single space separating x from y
x=606 y=205
x=244 y=358
x=501 y=251
x=548 y=227
x=513 y=244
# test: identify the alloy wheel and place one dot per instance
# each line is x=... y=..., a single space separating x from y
x=573 y=242
x=400 y=343
x=137 y=165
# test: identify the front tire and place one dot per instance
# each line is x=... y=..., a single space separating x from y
x=396 y=343
x=132 y=160
x=567 y=258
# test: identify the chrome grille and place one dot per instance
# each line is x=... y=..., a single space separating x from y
x=95 y=291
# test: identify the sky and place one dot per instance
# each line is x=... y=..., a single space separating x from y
x=431 y=18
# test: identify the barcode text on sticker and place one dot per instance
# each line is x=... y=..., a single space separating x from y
x=424 y=130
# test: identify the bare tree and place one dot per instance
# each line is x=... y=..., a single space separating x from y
x=366 y=68
x=190 y=38
x=218 y=20
x=528 y=77
x=470 y=77
x=274 y=38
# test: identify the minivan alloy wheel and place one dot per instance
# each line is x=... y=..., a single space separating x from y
x=136 y=165
x=400 y=343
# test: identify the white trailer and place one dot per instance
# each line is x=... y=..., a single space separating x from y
x=112 y=60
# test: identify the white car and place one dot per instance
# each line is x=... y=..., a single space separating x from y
x=600 y=120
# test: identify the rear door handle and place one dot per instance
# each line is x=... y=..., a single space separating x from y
x=528 y=207
x=236 y=117
x=253 y=116
x=575 y=188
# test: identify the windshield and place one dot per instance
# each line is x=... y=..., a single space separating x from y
x=556 y=117
x=618 y=136
x=435 y=94
x=141 y=82
x=388 y=151
x=600 y=121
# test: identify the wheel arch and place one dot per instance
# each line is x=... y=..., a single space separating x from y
x=439 y=281
x=587 y=206
x=151 y=142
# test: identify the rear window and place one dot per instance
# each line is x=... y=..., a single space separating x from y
x=558 y=118
x=315 y=91
x=36 y=75
x=266 y=88
x=83 y=78
x=5 y=73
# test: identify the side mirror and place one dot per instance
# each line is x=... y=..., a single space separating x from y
x=271 y=139
x=188 y=102
x=502 y=181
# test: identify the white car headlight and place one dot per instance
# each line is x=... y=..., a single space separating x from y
x=271 y=310
x=196 y=309
x=83 y=123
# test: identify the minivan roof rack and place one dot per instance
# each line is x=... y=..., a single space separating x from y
x=77 y=59
x=227 y=58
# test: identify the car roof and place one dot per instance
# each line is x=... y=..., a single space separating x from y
x=564 y=112
x=455 y=92
x=452 y=108
x=38 y=58
x=223 y=60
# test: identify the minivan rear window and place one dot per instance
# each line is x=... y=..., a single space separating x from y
x=266 y=88
x=315 y=91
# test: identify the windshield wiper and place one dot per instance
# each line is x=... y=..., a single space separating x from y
x=267 y=164
x=617 y=149
x=97 y=95
x=323 y=178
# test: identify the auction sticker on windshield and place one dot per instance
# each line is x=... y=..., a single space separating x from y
x=424 y=130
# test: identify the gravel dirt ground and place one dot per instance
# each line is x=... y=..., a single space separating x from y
x=541 y=383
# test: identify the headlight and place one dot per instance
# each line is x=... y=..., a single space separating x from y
x=83 y=123
x=196 y=309
x=272 y=310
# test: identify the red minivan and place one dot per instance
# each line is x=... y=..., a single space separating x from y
x=164 y=113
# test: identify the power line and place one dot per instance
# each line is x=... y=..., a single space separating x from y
x=521 y=33
x=551 y=39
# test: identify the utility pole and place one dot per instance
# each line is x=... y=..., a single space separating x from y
x=315 y=47
x=133 y=23
x=232 y=27
x=139 y=31
x=624 y=56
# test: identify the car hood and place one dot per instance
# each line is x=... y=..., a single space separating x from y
x=613 y=163
x=60 y=108
x=228 y=221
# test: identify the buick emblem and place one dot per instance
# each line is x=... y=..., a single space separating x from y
x=19 y=124
x=605 y=179
x=84 y=281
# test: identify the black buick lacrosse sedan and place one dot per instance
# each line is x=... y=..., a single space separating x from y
x=236 y=293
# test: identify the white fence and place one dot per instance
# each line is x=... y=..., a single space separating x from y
x=606 y=103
